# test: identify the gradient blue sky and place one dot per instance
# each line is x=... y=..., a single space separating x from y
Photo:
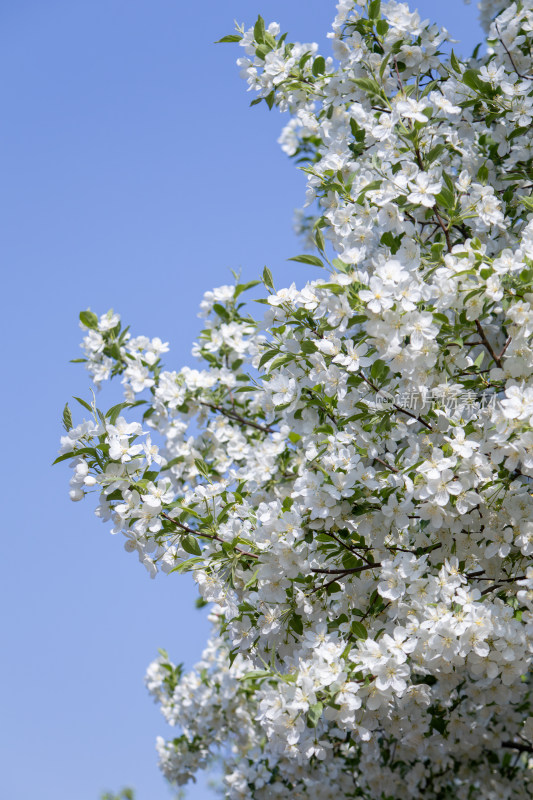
x=135 y=176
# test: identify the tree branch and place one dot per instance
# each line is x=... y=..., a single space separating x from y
x=237 y=417
x=495 y=358
x=213 y=537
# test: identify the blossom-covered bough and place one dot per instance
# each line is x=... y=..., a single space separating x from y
x=349 y=479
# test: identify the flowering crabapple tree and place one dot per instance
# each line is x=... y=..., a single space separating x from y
x=348 y=478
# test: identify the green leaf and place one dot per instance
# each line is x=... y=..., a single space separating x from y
x=187 y=565
x=379 y=370
x=391 y=241
x=89 y=319
x=221 y=311
x=527 y=202
x=374 y=11
x=114 y=412
x=319 y=240
x=445 y=198
x=232 y=37
x=483 y=173
x=314 y=714
x=190 y=545
x=454 y=62
x=304 y=59
x=296 y=624
x=259 y=30
x=368 y=85
x=267 y=278
x=370 y=187
x=435 y=152
x=255 y=675
x=84 y=404
x=67 y=418
x=473 y=81
x=243 y=287
x=319 y=66
x=270 y=99
x=201 y=466
x=359 y=630
x=267 y=357
x=75 y=453
x=308 y=346
x=279 y=362
x=315 y=261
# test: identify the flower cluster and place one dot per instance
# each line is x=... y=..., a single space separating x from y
x=369 y=563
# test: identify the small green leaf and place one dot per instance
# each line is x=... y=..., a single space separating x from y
x=435 y=152
x=255 y=675
x=190 y=545
x=84 y=404
x=243 y=287
x=527 y=202
x=319 y=240
x=308 y=346
x=368 y=85
x=296 y=624
x=259 y=30
x=267 y=278
x=232 y=37
x=315 y=261
x=483 y=173
x=359 y=630
x=319 y=66
x=473 y=81
x=374 y=10
x=89 y=319
x=67 y=418
x=314 y=714
x=454 y=62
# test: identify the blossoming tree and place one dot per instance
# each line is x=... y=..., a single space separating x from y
x=349 y=478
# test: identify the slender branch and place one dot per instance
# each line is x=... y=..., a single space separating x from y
x=524 y=77
x=346 y=571
x=212 y=536
x=337 y=574
x=506 y=345
x=397 y=407
x=523 y=748
x=495 y=358
x=444 y=228
x=385 y=464
x=237 y=417
x=400 y=84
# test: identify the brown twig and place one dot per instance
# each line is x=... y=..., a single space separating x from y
x=506 y=345
x=346 y=570
x=495 y=358
x=212 y=536
x=397 y=407
x=237 y=417
x=523 y=748
x=444 y=228
x=524 y=77
x=400 y=84
x=385 y=464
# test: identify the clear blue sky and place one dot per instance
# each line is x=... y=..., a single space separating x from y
x=134 y=176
